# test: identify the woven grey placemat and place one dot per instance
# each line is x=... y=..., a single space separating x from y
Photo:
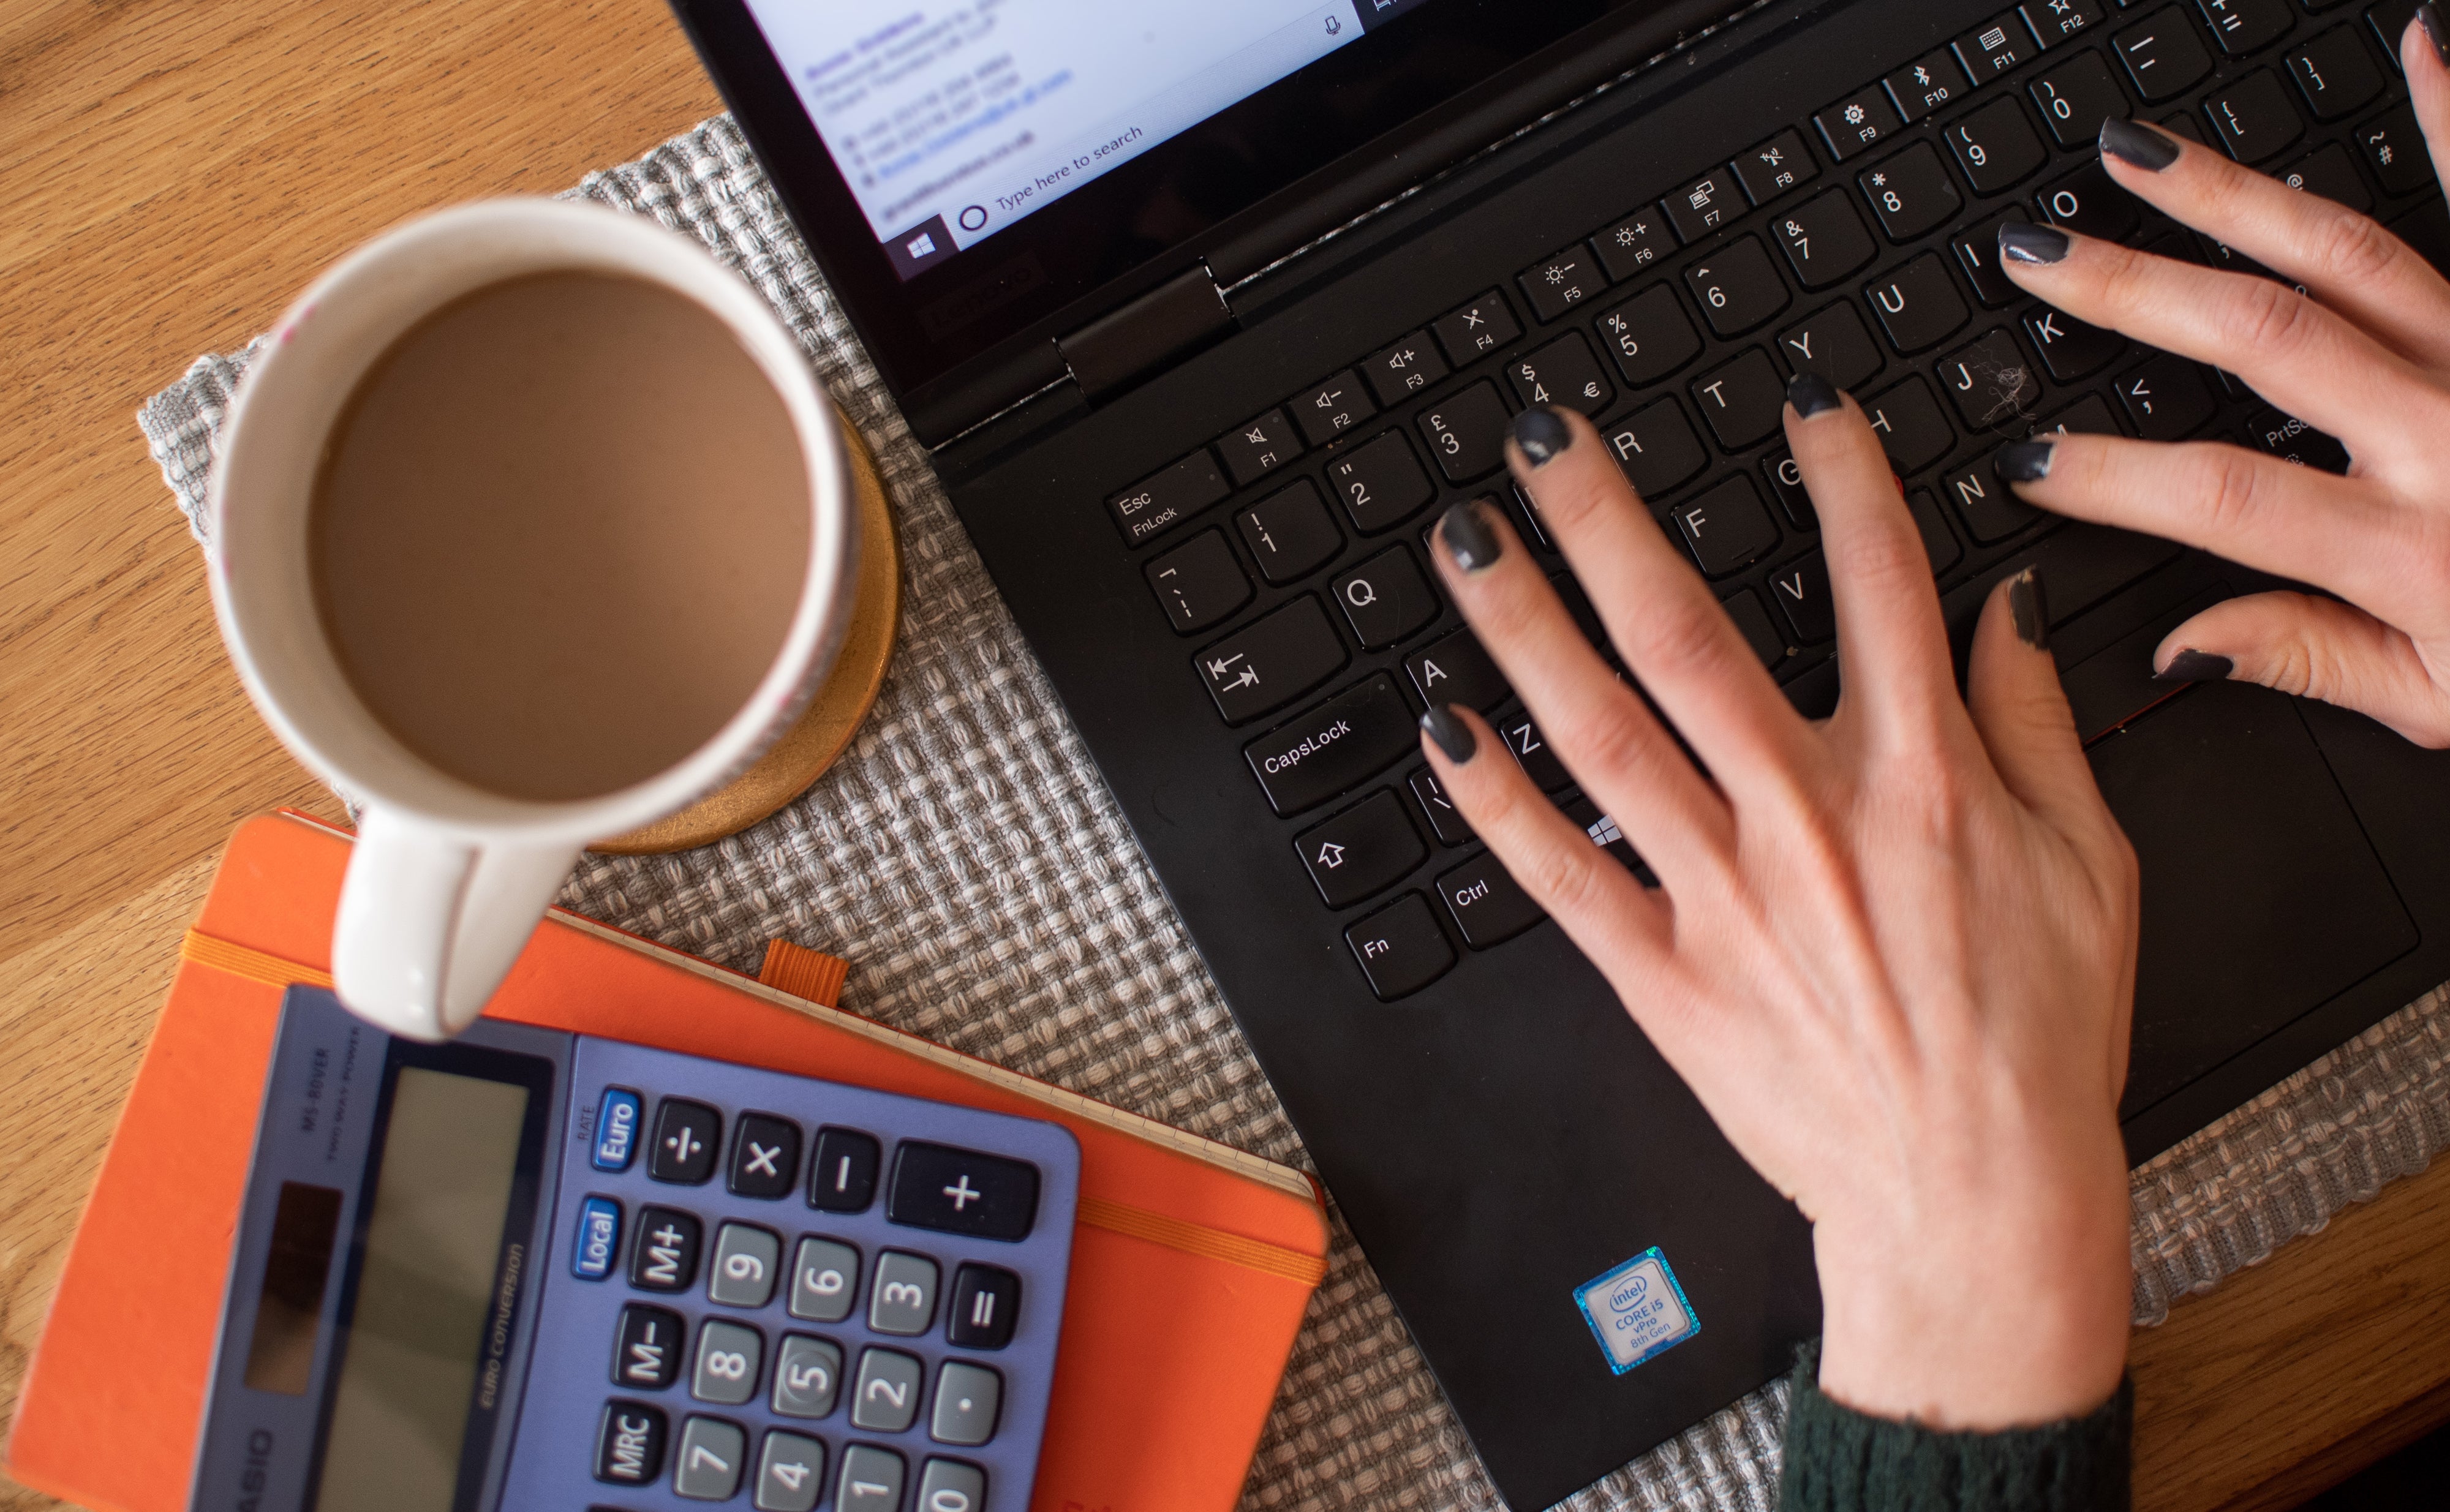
x=968 y=862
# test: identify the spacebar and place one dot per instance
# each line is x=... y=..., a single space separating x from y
x=2081 y=566
x=1333 y=747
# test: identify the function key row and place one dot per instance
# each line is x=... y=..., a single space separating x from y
x=712 y=1462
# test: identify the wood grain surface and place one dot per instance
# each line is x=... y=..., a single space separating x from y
x=172 y=174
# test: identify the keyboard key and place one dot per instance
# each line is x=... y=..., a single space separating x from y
x=2083 y=564
x=2394 y=148
x=1258 y=447
x=1609 y=837
x=629 y=1444
x=2057 y=21
x=1786 y=485
x=665 y=1257
x=2291 y=439
x=2091 y=203
x=885 y=1400
x=2254 y=118
x=1738 y=289
x=842 y=1178
x=647 y=1347
x=2165 y=398
x=1475 y=330
x=731 y=1363
x=2162 y=55
x=1656 y=448
x=1823 y=238
x=1766 y=638
x=2089 y=415
x=2335 y=74
x=1466 y=434
x=1633 y=244
x=1333 y=747
x=1197 y=584
x=687 y=1135
x=1455 y=670
x=1989 y=380
x=1387 y=598
x=1726 y=527
x=1912 y=193
x=1832 y=342
x=2075 y=97
x=825 y=1278
x=1801 y=590
x=1578 y=605
x=2328 y=172
x=1487 y=904
x=1563 y=372
x=746 y=1260
x=1997 y=145
x=1380 y=484
x=1999 y=44
x=1650 y=336
x=1533 y=753
x=2242 y=26
x=1858 y=122
x=616 y=1129
x=968 y=1398
x=1977 y=258
x=985 y=1306
x=871 y=1480
x=2426 y=231
x=948 y=1485
x=1780 y=163
x=1403 y=369
x=966 y=1192
x=708 y=1464
x=1561 y=281
x=2070 y=348
x=1990 y=509
x=1289 y=533
x=1910 y=425
x=765 y=1156
x=1329 y=409
x=791 y=1473
x=1697 y=210
x=1926 y=84
x=1939 y=542
x=597 y=1239
x=2389 y=21
x=808 y=1373
x=1155 y=505
x=1742 y=401
x=901 y=1299
x=1919 y=305
x=1446 y=820
x=1401 y=948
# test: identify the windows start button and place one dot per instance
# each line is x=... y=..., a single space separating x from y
x=1637 y=1310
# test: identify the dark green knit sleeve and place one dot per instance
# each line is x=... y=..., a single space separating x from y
x=1839 y=1460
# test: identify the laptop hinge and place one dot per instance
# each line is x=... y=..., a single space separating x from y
x=1170 y=323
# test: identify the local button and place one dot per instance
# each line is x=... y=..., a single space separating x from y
x=599 y=1239
x=617 y=1130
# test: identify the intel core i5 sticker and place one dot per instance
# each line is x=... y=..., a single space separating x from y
x=1637 y=1310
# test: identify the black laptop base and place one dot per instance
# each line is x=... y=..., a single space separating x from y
x=1499 y=1133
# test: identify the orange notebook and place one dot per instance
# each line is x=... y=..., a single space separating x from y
x=1191 y=1266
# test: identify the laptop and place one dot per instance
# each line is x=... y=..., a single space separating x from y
x=1206 y=313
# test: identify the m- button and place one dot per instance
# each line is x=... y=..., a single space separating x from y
x=962 y=1191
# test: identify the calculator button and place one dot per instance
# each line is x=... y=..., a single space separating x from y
x=664 y=1256
x=745 y=1258
x=1258 y=447
x=616 y=1129
x=1911 y=193
x=1918 y=304
x=1404 y=369
x=1326 y=411
x=1926 y=84
x=1697 y=208
x=1649 y=334
x=843 y=1177
x=1775 y=167
x=903 y=1300
x=948 y=1485
x=1466 y=432
x=1289 y=533
x=765 y=1155
x=1563 y=372
x=647 y=1347
x=2163 y=56
x=963 y=1191
x=1198 y=583
x=825 y=1278
x=1386 y=598
x=707 y=1466
x=1726 y=527
x=1366 y=849
x=1738 y=289
x=730 y=1362
x=871 y=1480
x=1476 y=330
x=791 y=1473
x=1823 y=238
x=969 y=1397
x=887 y=1397
x=2242 y=26
x=1654 y=447
x=1989 y=381
x=1379 y=483
x=1856 y=122
x=2253 y=117
x=1633 y=244
x=1456 y=669
x=1400 y=948
x=985 y=1305
x=807 y=1372
x=629 y=1444
x=1446 y=820
x=599 y=1239
x=1489 y=906
x=687 y=1135
x=1163 y=500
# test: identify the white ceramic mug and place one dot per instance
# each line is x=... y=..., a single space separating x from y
x=447 y=880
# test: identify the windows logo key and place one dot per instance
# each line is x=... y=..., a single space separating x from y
x=921 y=248
x=1637 y=1310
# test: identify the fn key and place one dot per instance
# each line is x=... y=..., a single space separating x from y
x=1400 y=948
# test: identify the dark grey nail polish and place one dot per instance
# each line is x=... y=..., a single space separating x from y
x=1452 y=735
x=2191 y=666
x=1469 y=539
x=1811 y=395
x=2436 y=31
x=2023 y=461
x=2139 y=145
x=2031 y=243
x=2030 y=609
x=1542 y=434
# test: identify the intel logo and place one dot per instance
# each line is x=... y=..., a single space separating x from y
x=1626 y=1297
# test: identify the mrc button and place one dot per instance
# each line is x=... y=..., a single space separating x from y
x=962 y=1191
x=629 y=1444
x=616 y=1129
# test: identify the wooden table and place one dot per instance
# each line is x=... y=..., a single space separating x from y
x=172 y=173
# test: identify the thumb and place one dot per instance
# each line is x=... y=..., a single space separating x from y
x=2011 y=689
x=2314 y=647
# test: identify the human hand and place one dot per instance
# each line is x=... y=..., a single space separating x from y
x=1893 y=954
x=2364 y=353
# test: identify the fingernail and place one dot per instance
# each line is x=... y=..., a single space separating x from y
x=1469 y=539
x=1452 y=735
x=1542 y=434
x=2031 y=243
x=2191 y=666
x=2023 y=461
x=1811 y=395
x=2030 y=609
x=2429 y=17
x=2139 y=145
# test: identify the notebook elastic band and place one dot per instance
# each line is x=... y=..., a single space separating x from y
x=254 y=966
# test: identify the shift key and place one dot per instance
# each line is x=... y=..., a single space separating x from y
x=1335 y=746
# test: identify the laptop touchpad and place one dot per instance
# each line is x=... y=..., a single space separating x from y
x=2261 y=898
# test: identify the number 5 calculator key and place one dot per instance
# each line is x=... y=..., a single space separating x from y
x=825 y=1277
x=807 y=1372
x=745 y=1257
x=903 y=1301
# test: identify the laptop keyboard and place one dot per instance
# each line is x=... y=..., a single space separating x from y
x=1292 y=553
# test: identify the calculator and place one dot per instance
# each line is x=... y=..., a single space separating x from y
x=541 y=1272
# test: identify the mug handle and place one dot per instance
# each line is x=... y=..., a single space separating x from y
x=430 y=923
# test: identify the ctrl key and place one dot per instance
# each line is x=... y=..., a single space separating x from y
x=1400 y=948
x=629 y=1444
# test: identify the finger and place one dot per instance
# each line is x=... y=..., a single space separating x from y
x=1892 y=644
x=2427 y=66
x=2340 y=532
x=2344 y=259
x=2314 y=648
x=1661 y=617
x=2295 y=353
x=2011 y=689
x=1597 y=726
